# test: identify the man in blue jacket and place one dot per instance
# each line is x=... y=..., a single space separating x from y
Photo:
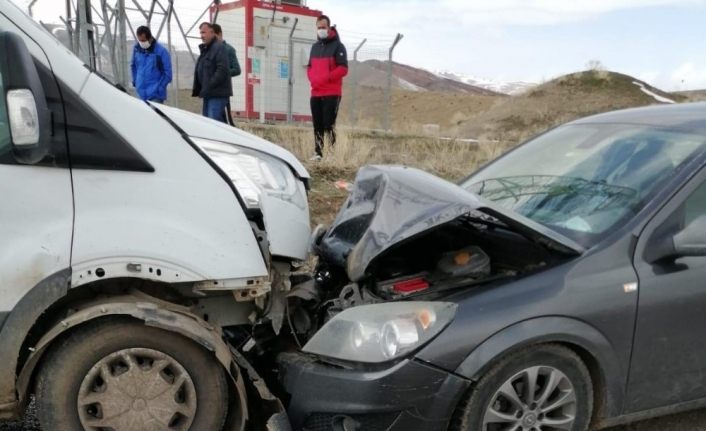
x=151 y=67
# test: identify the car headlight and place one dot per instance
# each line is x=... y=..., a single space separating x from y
x=381 y=332
x=254 y=173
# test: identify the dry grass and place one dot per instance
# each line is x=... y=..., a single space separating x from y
x=448 y=159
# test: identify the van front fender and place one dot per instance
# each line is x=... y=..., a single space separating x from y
x=163 y=315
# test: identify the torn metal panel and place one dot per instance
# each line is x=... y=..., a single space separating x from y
x=269 y=404
x=281 y=285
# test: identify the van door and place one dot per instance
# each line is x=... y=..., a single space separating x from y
x=36 y=220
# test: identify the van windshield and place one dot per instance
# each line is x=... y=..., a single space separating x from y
x=583 y=180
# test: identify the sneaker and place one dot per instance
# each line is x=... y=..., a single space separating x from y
x=315 y=158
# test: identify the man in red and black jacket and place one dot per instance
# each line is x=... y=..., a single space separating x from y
x=328 y=64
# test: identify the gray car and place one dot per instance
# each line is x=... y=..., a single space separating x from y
x=560 y=287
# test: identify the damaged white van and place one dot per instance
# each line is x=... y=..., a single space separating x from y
x=132 y=234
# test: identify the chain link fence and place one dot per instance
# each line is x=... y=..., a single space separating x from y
x=272 y=45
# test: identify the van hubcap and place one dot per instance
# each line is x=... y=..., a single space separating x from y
x=535 y=399
x=137 y=389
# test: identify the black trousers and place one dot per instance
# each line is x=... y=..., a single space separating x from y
x=324 y=111
x=229 y=114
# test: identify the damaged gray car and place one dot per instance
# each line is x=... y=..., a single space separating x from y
x=557 y=288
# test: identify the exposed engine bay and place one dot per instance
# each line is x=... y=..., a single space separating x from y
x=402 y=234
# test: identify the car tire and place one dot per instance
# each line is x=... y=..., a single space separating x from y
x=124 y=375
x=500 y=400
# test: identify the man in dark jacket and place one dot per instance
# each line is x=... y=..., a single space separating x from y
x=212 y=76
x=233 y=65
x=328 y=64
x=151 y=67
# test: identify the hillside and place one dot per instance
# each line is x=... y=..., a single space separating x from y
x=511 y=88
x=694 y=95
x=413 y=109
x=373 y=73
x=561 y=100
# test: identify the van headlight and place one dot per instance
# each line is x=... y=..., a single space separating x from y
x=254 y=173
x=381 y=332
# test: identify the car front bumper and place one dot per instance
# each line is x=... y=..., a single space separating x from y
x=409 y=396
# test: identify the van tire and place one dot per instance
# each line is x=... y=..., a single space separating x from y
x=479 y=409
x=105 y=359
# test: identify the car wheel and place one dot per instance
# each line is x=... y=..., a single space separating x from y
x=122 y=375
x=541 y=388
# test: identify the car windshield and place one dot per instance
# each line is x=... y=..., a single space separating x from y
x=583 y=180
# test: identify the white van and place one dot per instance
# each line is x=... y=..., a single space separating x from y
x=131 y=234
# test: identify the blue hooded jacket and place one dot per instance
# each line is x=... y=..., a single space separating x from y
x=151 y=71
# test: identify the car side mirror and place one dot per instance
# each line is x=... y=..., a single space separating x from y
x=28 y=114
x=692 y=240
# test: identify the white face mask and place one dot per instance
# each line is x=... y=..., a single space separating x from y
x=145 y=45
x=322 y=33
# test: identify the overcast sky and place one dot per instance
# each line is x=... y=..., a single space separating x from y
x=660 y=41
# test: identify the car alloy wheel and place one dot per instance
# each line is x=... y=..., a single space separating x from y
x=535 y=399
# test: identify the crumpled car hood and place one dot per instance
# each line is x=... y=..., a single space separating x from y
x=391 y=204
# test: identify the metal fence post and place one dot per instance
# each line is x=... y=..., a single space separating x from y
x=352 y=118
x=122 y=41
x=388 y=96
x=290 y=84
x=175 y=94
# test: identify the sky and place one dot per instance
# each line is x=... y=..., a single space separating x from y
x=662 y=42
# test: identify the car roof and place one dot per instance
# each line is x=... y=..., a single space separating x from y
x=682 y=116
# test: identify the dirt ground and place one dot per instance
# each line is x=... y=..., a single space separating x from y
x=694 y=421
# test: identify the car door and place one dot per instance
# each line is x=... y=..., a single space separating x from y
x=36 y=200
x=668 y=363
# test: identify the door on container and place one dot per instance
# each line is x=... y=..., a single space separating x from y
x=302 y=88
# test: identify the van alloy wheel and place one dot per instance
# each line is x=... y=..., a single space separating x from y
x=535 y=399
x=137 y=389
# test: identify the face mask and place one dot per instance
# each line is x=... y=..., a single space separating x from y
x=145 y=45
x=322 y=33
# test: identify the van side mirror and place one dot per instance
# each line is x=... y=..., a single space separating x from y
x=692 y=240
x=28 y=114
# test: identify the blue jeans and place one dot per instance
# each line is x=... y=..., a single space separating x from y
x=215 y=107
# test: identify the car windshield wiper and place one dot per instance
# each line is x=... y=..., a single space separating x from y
x=550 y=185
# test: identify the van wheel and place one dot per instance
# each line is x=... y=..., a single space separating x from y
x=123 y=375
x=541 y=388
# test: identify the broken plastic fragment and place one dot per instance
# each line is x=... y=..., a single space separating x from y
x=343 y=185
